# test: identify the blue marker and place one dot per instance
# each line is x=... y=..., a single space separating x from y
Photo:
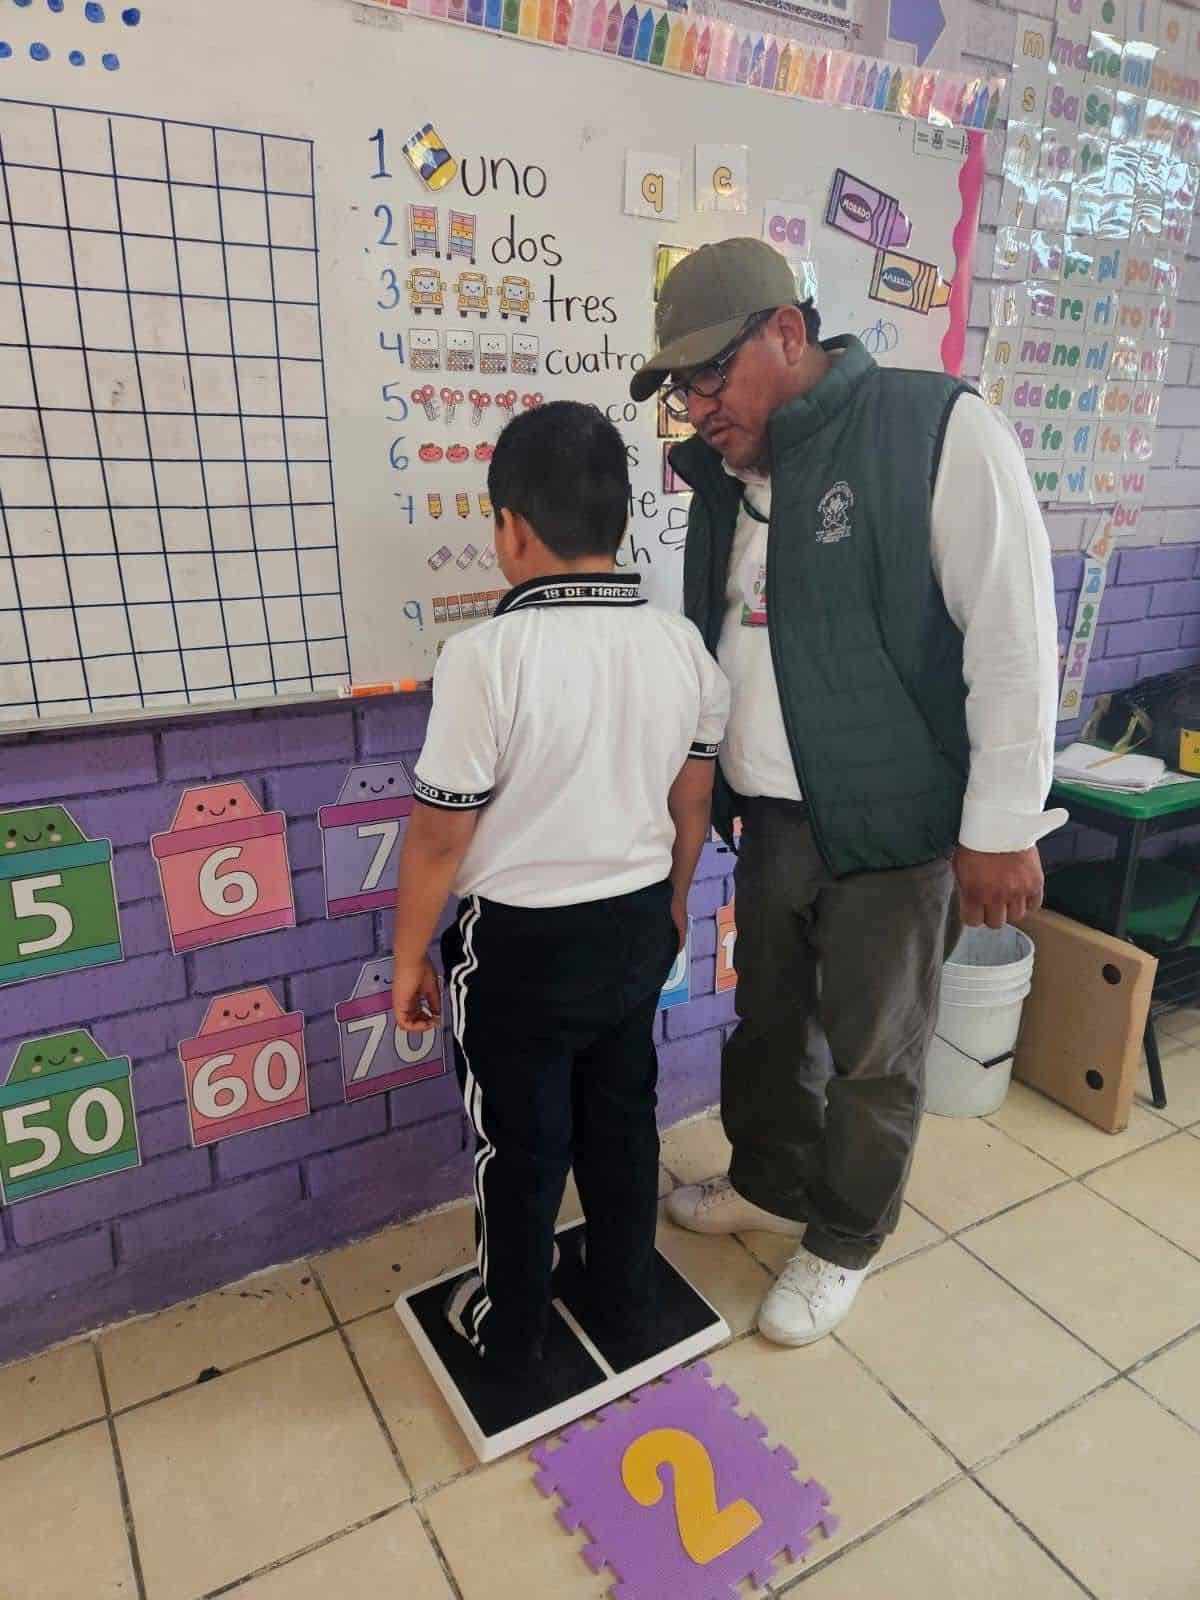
x=131 y=16
x=491 y=17
x=39 y=51
x=77 y=58
x=56 y=5
x=93 y=11
x=110 y=62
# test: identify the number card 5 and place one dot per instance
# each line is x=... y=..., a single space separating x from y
x=245 y=1069
x=58 y=906
x=377 y=1055
x=66 y=1115
x=223 y=866
x=361 y=835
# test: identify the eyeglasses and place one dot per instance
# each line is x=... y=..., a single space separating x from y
x=708 y=381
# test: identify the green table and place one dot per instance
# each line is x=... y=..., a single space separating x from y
x=1131 y=819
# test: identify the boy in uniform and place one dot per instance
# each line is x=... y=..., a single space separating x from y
x=564 y=788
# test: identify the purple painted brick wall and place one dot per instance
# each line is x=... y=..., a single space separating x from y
x=189 y=1219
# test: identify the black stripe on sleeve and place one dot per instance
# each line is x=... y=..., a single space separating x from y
x=703 y=752
x=448 y=799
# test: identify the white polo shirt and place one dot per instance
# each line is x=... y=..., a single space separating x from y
x=566 y=718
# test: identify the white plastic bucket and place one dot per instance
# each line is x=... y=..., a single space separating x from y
x=984 y=985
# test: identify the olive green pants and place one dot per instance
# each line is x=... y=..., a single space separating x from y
x=823 y=1080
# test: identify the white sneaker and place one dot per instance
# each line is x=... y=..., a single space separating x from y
x=809 y=1299
x=717 y=1207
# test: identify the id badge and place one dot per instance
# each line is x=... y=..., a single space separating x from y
x=754 y=605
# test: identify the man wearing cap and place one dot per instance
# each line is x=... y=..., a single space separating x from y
x=866 y=559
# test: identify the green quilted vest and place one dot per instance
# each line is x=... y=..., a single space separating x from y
x=868 y=662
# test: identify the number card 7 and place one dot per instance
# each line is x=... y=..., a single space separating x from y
x=378 y=1055
x=245 y=1069
x=223 y=865
x=361 y=834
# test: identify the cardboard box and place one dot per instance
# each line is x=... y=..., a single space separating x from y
x=1082 y=1027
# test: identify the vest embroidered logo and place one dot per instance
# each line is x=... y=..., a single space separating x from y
x=835 y=506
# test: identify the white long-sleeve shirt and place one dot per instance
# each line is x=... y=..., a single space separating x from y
x=991 y=557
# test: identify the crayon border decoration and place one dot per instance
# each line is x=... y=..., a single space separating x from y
x=546 y=22
x=690 y=45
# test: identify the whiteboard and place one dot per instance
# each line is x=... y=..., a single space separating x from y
x=215 y=483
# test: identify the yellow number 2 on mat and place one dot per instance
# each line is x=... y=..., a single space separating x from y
x=705 y=1531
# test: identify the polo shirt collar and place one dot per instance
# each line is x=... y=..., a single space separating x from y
x=579 y=589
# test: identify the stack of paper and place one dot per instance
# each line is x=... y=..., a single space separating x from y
x=1091 y=764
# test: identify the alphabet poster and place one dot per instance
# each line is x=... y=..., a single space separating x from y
x=1101 y=178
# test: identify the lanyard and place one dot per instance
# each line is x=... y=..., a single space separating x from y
x=753 y=510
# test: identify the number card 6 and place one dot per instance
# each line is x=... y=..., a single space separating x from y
x=245 y=1069
x=66 y=1115
x=223 y=866
x=377 y=1055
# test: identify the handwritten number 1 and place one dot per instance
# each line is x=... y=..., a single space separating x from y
x=377 y=138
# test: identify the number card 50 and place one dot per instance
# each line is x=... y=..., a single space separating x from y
x=66 y=1115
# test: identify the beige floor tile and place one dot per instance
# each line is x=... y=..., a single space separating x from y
x=1174 y=1378
x=1182 y=1024
x=392 y=1556
x=369 y=1275
x=696 y=1150
x=64 y=1534
x=47 y=1394
x=1061 y=1249
x=1112 y=1489
x=1068 y=1141
x=960 y=1543
x=502 y=1540
x=912 y=1233
x=965 y=1170
x=228 y=1477
x=146 y=1358
x=976 y=1363
x=1181 y=1079
x=721 y=1269
x=843 y=1430
x=430 y=1442
x=1160 y=1186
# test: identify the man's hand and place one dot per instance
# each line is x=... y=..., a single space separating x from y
x=997 y=888
x=416 y=998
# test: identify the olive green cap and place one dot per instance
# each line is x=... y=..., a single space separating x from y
x=705 y=302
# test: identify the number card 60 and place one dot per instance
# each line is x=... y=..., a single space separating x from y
x=245 y=1069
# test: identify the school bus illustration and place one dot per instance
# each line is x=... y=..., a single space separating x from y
x=515 y=297
x=426 y=290
x=472 y=291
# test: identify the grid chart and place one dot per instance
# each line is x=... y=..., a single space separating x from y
x=167 y=530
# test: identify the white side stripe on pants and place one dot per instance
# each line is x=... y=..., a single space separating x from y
x=472 y=1094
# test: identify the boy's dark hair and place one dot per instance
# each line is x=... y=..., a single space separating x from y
x=563 y=468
